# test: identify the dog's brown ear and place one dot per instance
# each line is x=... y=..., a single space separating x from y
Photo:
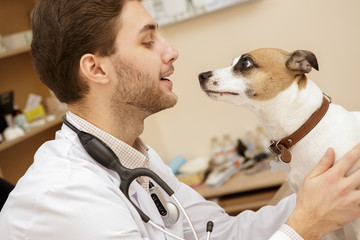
x=302 y=60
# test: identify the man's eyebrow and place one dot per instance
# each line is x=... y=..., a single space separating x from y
x=148 y=27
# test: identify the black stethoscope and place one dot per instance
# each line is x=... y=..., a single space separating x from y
x=102 y=153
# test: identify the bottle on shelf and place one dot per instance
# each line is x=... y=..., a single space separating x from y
x=20 y=118
x=217 y=151
x=229 y=148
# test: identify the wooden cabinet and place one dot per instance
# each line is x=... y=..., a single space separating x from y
x=17 y=74
x=243 y=191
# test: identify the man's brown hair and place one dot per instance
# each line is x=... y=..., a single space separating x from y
x=65 y=30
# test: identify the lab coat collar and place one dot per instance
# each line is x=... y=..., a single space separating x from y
x=69 y=134
x=136 y=192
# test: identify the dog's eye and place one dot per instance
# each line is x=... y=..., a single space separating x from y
x=246 y=63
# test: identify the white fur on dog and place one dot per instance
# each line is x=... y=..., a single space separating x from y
x=286 y=112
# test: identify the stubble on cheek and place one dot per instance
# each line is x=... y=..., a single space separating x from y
x=140 y=90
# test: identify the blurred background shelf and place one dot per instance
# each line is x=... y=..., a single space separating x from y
x=17 y=75
x=13 y=52
x=245 y=192
x=32 y=132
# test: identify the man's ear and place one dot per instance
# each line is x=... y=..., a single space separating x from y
x=91 y=67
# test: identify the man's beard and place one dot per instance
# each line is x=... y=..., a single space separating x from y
x=139 y=90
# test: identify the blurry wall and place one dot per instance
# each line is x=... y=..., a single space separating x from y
x=330 y=29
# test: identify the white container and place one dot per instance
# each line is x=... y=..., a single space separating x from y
x=17 y=40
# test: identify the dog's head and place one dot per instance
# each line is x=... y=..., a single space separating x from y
x=258 y=75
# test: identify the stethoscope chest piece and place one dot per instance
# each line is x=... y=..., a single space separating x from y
x=169 y=211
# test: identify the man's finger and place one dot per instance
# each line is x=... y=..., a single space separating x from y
x=348 y=160
x=354 y=179
x=325 y=163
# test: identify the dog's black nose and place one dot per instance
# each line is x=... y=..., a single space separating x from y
x=204 y=76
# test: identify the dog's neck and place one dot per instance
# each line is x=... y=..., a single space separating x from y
x=284 y=114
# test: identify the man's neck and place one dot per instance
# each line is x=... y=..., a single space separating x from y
x=126 y=124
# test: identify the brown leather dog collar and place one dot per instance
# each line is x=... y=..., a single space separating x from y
x=281 y=147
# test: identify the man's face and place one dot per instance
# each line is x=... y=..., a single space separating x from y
x=142 y=62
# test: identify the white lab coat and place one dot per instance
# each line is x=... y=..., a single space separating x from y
x=66 y=195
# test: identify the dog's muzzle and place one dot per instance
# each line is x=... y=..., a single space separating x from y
x=203 y=77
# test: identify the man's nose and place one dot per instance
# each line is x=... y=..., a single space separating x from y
x=170 y=55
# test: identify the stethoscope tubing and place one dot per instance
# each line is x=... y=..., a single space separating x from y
x=101 y=153
x=186 y=216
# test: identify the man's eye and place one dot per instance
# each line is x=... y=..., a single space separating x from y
x=148 y=44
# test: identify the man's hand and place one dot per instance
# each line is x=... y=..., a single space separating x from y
x=328 y=198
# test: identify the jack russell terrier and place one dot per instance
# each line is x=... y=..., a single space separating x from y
x=296 y=114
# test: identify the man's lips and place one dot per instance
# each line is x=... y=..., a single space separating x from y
x=165 y=78
x=167 y=82
x=167 y=74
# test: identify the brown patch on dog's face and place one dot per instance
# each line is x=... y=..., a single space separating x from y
x=258 y=75
x=266 y=73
